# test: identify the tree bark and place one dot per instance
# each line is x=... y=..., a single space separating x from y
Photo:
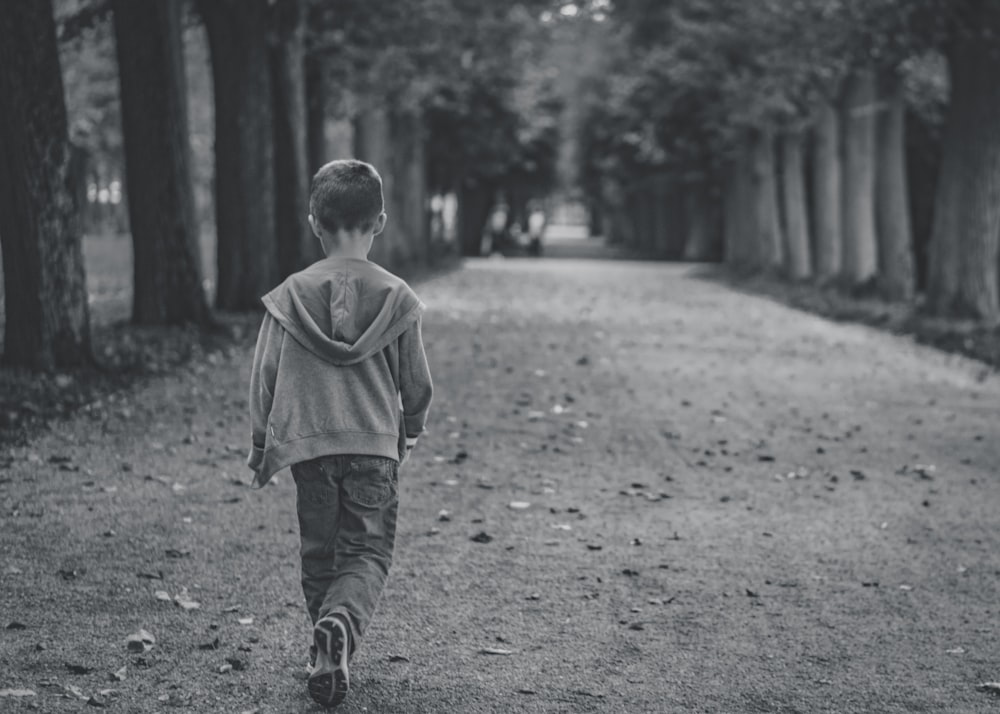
x=860 y=256
x=796 y=224
x=826 y=193
x=247 y=252
x=167 y=278
x=410 y=196
x=895 y=236
x=373 y=143
x=767 y=226
x=964 y=241
x=316 y=97
x=475 y=200
x=740 y=249
x=297 y=247
x=47 y=320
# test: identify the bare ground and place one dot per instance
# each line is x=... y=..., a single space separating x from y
x=732 y=509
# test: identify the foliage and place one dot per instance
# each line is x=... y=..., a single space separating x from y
x=690 y=77
x=467 y=65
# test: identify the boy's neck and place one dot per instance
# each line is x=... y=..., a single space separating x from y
x=347 y=245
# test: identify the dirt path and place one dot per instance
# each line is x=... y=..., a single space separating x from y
x=732 y=509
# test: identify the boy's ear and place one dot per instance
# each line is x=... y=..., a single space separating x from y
x=380 y=223
x=314 y=225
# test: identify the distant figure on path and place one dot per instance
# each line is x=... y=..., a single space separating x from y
x=339 y=350
x=498 y=228
x=536 y=227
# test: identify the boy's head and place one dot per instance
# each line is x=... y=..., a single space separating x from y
x=346 y=195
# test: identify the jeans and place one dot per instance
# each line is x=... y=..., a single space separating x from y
x=347 y=507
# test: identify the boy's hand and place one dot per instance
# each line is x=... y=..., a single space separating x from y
x=411 y=441
x=255 y=458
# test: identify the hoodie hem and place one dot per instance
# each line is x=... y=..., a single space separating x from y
x=314 y=446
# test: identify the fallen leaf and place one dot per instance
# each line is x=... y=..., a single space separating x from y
x=225 y=668
x=955 y=650
x=518 y=505
x=245 y=620
x=141 y=641
x=495 y=651
x=17 y=693
x=184 y=601
x=162 y=595
x=76 y=692
x=96 y=700
x=158 y=575
x=119 y=674
x=562 y=526
x=482 y=537
x=398 y=658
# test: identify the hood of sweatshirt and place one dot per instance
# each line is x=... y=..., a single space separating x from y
x=344 y=310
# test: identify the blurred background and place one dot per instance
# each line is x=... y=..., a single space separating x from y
x=156 y=154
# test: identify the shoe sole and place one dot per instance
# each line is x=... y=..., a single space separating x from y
x=330 y=681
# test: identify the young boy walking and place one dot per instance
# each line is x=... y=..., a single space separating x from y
x=339 y=391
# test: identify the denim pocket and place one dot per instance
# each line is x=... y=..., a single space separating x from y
x=313 y=484
x=371 y=480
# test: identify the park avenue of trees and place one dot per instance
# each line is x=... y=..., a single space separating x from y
x=844 y=141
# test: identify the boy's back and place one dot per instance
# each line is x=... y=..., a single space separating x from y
x=334 y=338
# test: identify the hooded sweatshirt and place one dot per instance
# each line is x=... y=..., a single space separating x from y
x=339 y=367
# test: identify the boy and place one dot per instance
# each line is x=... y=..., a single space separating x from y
x=339 y=353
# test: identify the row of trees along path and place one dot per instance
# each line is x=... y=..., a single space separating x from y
x=281 y=70
x=792 y=118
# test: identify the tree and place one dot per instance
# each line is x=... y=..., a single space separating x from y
x=826 y=192
x=167 y=283
x=47 y=320
x=892 y=201
x=964 y=240
x=859 y=112
x=296 y=245
x=796 y=225
x=247 y=252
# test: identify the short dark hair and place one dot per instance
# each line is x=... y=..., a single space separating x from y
x=347 y=194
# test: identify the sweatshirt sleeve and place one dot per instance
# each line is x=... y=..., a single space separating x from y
x=262 y=378
x=415 y=385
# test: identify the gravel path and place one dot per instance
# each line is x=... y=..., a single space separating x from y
x=721 y=505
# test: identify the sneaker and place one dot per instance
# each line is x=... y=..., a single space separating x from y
x=329 y=681
x=311 y=664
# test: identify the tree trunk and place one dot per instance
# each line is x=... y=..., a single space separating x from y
x=297 y=247
x=826 y=193
x=475 y=201
x=964 y=242
x=740 y=248
x=410 y=196
x=247 y=252
x=316 y=96
x=47 y=320
x=895 y=237
x=799 y=263
x=860 y=257
x=768 y=236
x=373 y=143
x=166 y=285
